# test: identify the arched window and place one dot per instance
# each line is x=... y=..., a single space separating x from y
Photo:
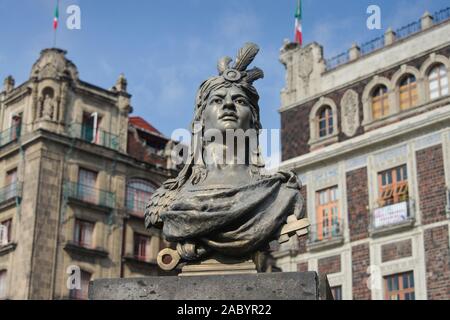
x=138 y=193
x=325 y=121
x=438 y=81
x=408 y=92
x=380 y=102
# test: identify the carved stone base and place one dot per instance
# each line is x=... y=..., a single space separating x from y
x=219 y=266
x=260 y=286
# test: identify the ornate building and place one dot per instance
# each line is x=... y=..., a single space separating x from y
x=368 y=133
x=75 y=171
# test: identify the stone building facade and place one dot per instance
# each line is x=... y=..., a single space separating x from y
x=368 y=133
x=75 y=170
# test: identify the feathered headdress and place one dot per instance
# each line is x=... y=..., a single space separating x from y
x=238 y=71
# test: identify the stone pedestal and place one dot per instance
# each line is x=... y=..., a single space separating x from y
x=261 y=286
x=216 y=266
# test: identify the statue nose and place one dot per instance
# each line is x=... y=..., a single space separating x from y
x=229 y=103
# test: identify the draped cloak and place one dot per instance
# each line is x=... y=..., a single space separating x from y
x=233 y=220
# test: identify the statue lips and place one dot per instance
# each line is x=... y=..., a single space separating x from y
x=229 y=116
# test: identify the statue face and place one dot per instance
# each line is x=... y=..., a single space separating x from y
x=228 y=109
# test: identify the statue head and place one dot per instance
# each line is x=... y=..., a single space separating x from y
x=229 y=100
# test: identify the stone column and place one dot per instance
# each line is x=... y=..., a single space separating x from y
x=355 y=52
x=389 y=37
x=426 y=21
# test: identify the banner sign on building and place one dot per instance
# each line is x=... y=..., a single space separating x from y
x=390 y=215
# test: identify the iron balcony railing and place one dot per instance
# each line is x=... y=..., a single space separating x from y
x=372 y=45
x=100 y=137
x=392 y=214
x=326 y=232
x=10 y=135
x=89 y=194
x=441 y=15
x=11 y=191
x=379 y=43
x=337 y=60
x=408 y=30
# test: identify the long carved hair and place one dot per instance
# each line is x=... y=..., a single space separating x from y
x=242 y=79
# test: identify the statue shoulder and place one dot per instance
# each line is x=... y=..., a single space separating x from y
x=159 y=201
x=290 y=179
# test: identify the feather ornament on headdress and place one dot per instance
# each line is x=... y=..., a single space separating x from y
x=245 y=56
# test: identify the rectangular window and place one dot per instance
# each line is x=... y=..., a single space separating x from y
x=408 y=93
x=327 y=213
x=393 y=186
x=89 y=128
x=399 y=286
x=87 y=181
x=337 y=292
x=11 y=184
x=5 y=232
x=380 y=103
x=82 y=293
x=83 y=235
x=141 y=247
x=2 y=284
x=16 y=126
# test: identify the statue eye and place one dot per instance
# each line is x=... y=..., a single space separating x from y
x=217 y=101
x=241 y=101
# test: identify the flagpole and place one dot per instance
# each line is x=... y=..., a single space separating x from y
x=54 y=38
x=55 y=23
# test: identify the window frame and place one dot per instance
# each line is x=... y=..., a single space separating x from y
x=382 y=98
x=411 y=89
x=96 y=119
x=80 y=227
x=87 y=191
x=337 y=289
x=315 y=140
x=327 y=226
x=327 y=119
x=439 y=79
x=396 y=190
x=138 y=240
x=6 y=225
x=136 y=197
x=401 y=292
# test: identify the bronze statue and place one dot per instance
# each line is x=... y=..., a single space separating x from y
x=227 y=208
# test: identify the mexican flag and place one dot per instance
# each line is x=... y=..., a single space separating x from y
x=298 y=24
x=56 y=16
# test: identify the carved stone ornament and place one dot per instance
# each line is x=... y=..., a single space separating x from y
x=305 y=64
x=53 y=64
x=350 y=113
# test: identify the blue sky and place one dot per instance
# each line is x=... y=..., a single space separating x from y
x=166 y=48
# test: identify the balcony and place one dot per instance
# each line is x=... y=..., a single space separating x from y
x=100 y=137
x=81 y=250
x=324 y=238
x=10 y=194
x=84 y=194
x=390 y=218
x=10 y=135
